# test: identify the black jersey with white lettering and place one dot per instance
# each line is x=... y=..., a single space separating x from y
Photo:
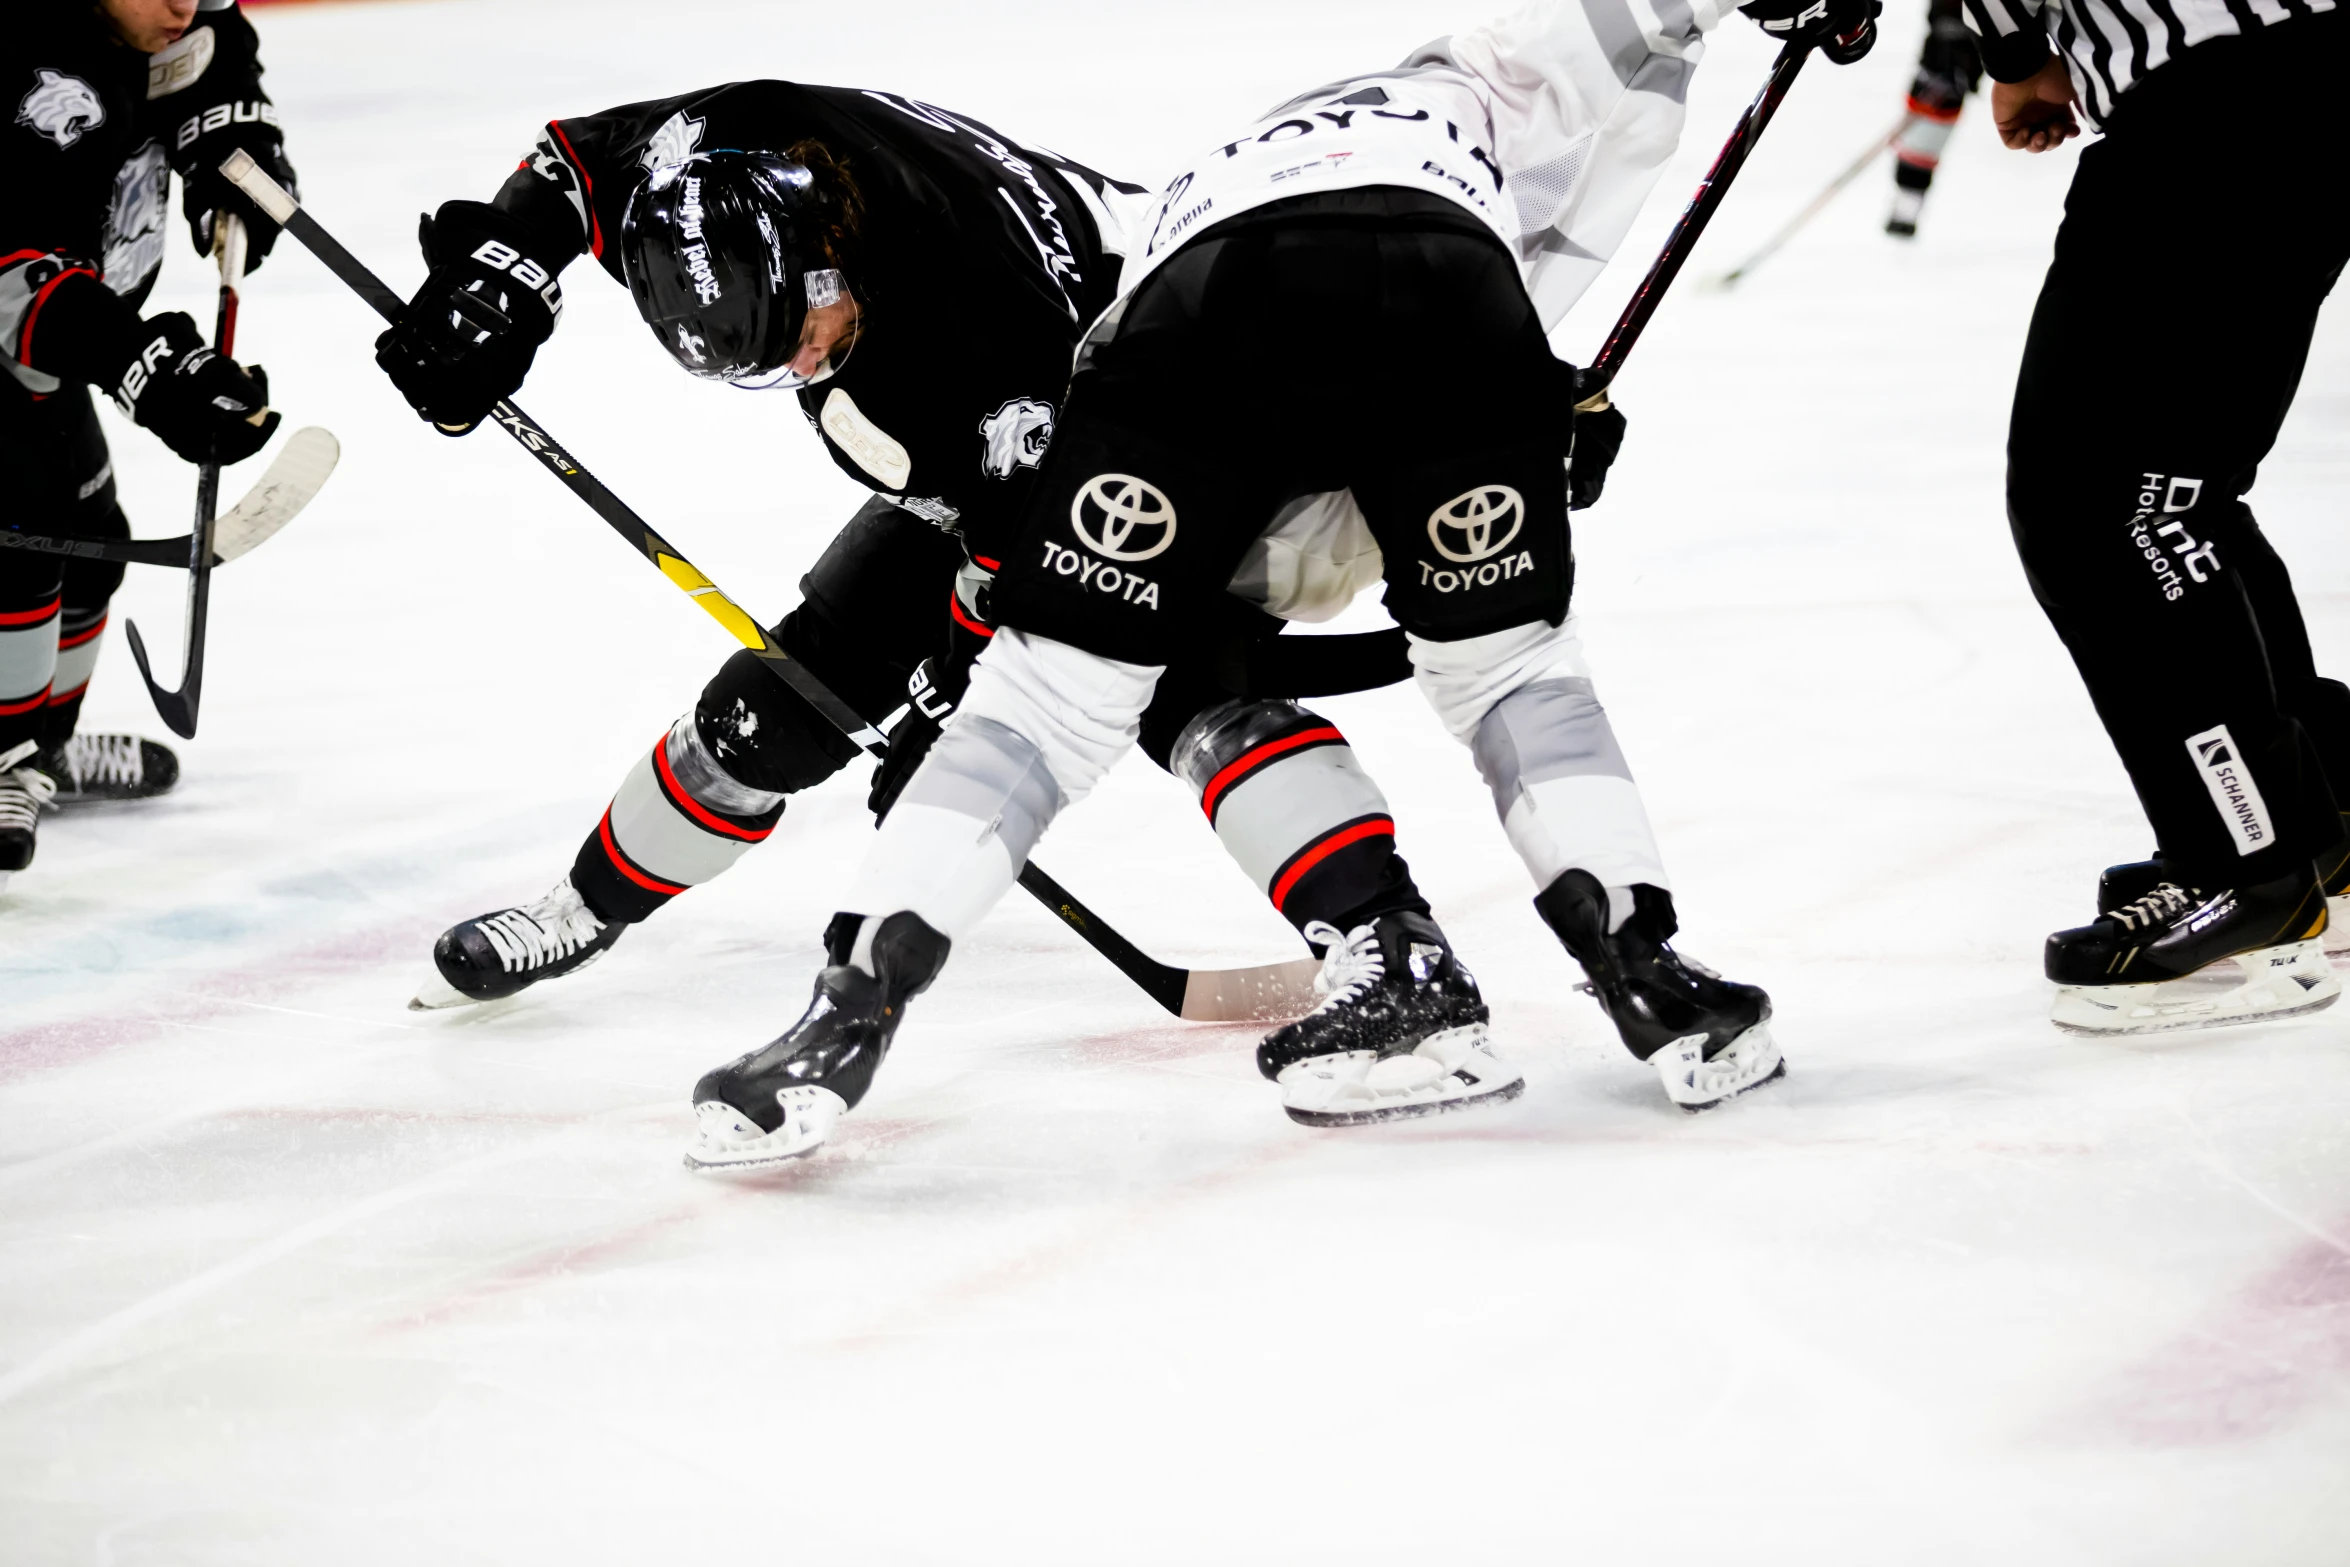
x=977 y=263
x=86 y=150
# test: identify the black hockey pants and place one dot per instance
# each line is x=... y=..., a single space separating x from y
x=2197 y=247
x=55 y=477
x=875 y=605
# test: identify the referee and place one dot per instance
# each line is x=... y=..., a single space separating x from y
x=2200 y=238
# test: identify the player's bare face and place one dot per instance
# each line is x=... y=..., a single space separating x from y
x=149 y=25
x=828 y=327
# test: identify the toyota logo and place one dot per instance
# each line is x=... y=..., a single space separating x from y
x=1478 y=518
x=1113 y=508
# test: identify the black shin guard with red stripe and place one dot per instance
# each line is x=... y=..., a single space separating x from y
x=678 y=820
x=1296 y=811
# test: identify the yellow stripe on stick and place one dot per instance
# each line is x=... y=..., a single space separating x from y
x=722 y=609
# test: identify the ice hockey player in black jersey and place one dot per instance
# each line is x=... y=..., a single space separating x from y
x=1401 y=242
x=1949 y=70
x=918 y=283
x=104 y=102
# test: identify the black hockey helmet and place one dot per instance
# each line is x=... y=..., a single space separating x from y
x=724 y=254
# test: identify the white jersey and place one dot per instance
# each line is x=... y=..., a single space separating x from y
x=1551 y=125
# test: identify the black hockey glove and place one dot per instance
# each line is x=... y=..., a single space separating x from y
x=1949 y=67
x=933 y=693
x=202 y=404
x=1599 y=435
x=1843 y=30
x=204 y=142
x=470 y=333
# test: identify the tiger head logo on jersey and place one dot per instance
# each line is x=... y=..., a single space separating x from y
x=61 y=107
x=1016 y=436
x=676 y=140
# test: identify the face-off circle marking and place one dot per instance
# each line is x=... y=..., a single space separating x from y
x=1111 y=509
x=1477 y=516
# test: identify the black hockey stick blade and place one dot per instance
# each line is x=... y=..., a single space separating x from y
x=1270 y=990
x=292 y=482
x=177 y=708
x=1695 y=216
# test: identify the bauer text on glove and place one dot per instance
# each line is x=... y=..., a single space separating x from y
x=469 y=335
x=200 y=403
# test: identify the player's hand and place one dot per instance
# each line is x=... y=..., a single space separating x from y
x=2036 y=114
x=469 y=335
x=1843 y=30
x=1598 y=436
x=932 y=695
x=205 y=192
x=202 y=404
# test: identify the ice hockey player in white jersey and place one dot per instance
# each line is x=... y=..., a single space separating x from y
x=1352 y=295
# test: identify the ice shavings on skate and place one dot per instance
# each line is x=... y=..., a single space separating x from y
x=725 y=1138
x=2281 y=981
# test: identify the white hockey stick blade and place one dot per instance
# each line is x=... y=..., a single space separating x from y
x=2282 y=981
x=293 y=480
x=1268 y=993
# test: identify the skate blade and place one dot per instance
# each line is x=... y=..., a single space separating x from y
x=1745 y=1064
x=437 y=994
x=2277 y=982
x=726 y=1139
x=1453 y=1070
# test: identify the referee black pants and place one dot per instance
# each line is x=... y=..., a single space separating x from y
x=2200 y=238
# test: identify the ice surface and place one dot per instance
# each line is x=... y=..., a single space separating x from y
x=296 y=1276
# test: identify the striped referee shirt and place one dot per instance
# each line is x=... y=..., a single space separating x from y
x=2109 y=44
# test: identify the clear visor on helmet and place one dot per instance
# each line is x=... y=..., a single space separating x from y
x=827 y=296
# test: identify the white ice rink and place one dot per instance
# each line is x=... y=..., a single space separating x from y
x=293 y=1275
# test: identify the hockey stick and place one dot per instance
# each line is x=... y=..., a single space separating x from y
x=1693 y=220
x=1272 y=990
x=292 y=482
x=178 y=708
x=1819 y=204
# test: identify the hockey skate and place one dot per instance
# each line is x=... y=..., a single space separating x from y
x=1708 y=1038
x=24 y=789
x=2127 y=883
x=109 y=767
x=494 y=956
x=2158 y=962
x=1400 y=1031
x=780 y=1101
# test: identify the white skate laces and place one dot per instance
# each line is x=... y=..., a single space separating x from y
x=23 y=790
x=99 y=761
x=1351 y=963
x=553 y=928
x=2159 y=907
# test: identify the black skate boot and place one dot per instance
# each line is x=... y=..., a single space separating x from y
x=2133 y=879
x=109 y=767
x=1400 y=1031
x=1708 y=1038
x=2116 y=971
x=24 y=789
x=493 y=956
x=780 y=1101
